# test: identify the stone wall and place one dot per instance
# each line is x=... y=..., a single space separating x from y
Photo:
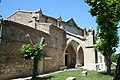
x=22 y=17
x=90 y=56
x=55 y=51
x=43 y=27
x=13 y=37
x=27 y=18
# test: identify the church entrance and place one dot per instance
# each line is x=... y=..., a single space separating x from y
x=70 y=57
x=66 y=60
x=80 y=58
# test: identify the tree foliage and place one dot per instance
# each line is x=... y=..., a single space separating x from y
x=29 y=51
x=114 y=57
x=107 y=13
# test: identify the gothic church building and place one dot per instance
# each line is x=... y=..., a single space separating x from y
x=68 y=45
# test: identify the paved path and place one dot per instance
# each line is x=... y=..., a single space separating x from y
x=45 y=74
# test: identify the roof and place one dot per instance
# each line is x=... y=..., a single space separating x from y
x=70 y=21
x=20 y=11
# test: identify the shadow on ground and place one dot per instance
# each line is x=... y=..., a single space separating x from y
x=44 y=78
x=105 y=73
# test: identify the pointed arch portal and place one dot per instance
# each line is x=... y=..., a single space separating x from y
x=80 y=58
x=73 y=55
x=70 y=57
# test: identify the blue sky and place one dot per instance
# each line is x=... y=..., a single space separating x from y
x=65 y=8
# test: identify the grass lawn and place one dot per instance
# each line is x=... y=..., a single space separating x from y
x=92 y=75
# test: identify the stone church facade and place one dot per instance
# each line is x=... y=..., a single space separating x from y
x=68 y=45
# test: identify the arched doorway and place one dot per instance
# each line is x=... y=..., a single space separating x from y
x=80 y=58
x=70 y=57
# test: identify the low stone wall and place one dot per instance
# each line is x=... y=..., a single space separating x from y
x=13 y=37
x=11 y=63
x=95 y=66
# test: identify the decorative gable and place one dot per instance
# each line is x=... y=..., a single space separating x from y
x=71 y=22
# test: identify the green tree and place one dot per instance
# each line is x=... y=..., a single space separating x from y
x=114 y=58
x=107 y=13
x=31 y=51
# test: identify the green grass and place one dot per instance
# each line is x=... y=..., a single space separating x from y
x=92 y=75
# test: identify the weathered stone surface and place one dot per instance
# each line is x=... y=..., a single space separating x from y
x=11 y=64
x=84 y=73
x=71 y=78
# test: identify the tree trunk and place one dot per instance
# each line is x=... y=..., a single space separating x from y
x=35 y=68
x=108 y=64
x=117 y=71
